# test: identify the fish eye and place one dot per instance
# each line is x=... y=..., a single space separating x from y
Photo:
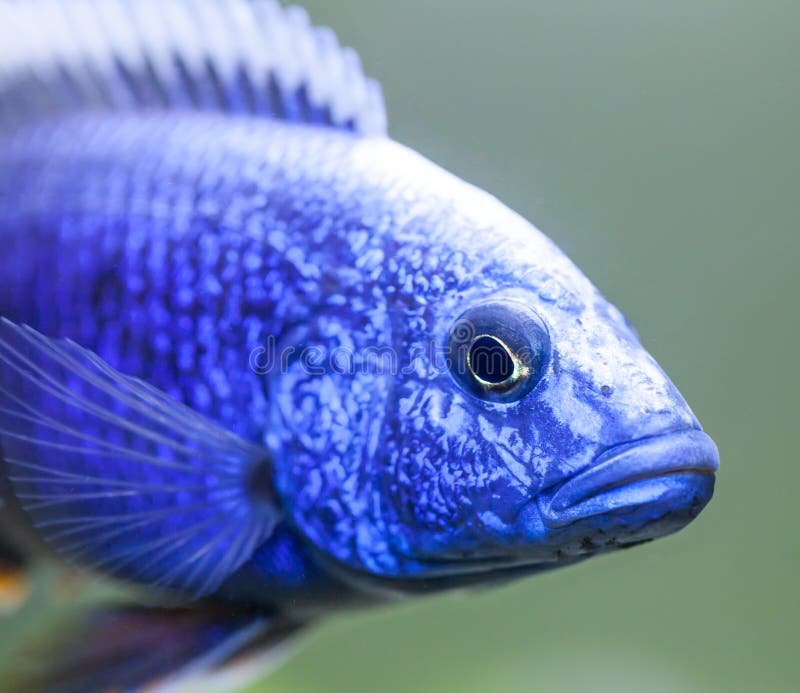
x=491 y=361
x=498 y=350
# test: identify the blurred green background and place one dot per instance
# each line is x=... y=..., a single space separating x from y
x=657 y=143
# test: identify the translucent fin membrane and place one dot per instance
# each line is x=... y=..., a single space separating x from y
x=120 y=477
x=236 y=56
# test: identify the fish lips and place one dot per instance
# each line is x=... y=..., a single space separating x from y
x=669 y=475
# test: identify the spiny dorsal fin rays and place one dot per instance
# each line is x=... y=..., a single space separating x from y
x=246 y=56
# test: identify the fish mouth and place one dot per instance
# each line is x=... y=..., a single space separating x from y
x=667 y=474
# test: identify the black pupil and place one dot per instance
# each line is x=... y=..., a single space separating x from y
x=490 y=361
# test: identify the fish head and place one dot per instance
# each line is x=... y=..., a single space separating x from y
x=522 y=426
x=566 y=439
x=544 y=432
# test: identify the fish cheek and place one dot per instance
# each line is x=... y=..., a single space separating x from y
x=326 y=426
x=456 y=495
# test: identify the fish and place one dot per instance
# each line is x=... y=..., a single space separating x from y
x=264 y=364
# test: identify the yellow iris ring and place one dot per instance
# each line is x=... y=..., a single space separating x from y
x=518 y=374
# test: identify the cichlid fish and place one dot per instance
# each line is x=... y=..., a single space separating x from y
x=266 y=363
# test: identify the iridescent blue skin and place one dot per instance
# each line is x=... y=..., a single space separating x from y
x=174 y=245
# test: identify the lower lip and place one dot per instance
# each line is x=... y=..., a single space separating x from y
x=651 y=498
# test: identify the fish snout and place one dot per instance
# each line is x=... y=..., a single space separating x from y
x=639 y=490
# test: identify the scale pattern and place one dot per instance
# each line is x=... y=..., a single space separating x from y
x=176 y=246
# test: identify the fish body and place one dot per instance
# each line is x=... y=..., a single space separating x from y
x=255 y=351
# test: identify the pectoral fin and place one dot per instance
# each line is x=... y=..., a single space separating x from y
x=117 y=476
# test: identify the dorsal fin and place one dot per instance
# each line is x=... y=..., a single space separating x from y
x=244 y=56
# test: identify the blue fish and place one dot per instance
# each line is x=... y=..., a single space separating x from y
x=266 y=363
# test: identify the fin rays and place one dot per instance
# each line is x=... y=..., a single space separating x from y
x=120 y=477
x=237 y=56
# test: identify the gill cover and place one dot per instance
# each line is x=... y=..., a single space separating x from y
x=113 y=473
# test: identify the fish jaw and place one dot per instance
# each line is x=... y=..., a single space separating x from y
x=633 y=492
